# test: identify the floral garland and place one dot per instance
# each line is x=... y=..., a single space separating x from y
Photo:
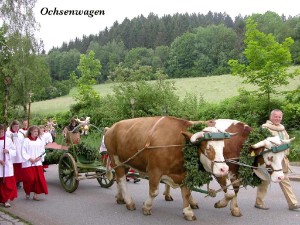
x=245 y=173
x=196 y=175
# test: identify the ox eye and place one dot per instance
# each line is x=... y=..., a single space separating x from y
x=270 y=158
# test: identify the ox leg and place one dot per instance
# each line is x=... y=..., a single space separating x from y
x=153 y=192
x=119 y=196
x=168 y=197
x=123 y=195
x=228 y=192
x=167 y=193
x=187 y=210
x=234 y=208
x=193 y=202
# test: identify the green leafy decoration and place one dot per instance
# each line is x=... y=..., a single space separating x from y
x=84 y=153
x=245 y=172
x=53 y=156
x=196 y=176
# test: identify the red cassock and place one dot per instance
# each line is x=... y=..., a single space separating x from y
x=34 y=180
x=8 y=189
x=18 y=172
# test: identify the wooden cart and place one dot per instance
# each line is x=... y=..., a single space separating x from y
x=73 y=168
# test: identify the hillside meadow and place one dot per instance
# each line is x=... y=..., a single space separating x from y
x=211 y=89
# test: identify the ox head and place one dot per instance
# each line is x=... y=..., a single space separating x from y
x=272 y=150
x=211 y=150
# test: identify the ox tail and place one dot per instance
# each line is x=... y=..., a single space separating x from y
x=209 y=123
x=105 y=129
x=109 y=172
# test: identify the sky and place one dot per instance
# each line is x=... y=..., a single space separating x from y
x=56 y=29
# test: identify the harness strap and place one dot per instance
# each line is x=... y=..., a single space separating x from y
x=151 y=132
x=146 y=145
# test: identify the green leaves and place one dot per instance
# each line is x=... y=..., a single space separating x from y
x=196 y=176
x=246 y=172
x=267 y=60
x=88 y=68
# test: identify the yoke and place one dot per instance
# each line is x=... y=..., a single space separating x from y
x=214 y=136
x=276 y=149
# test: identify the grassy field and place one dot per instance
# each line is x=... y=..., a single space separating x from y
x=211 y=89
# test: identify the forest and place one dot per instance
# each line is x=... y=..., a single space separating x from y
x=143 y=48
x=181 y=45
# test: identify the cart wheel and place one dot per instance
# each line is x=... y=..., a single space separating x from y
x=104 y=181
x=67 y=171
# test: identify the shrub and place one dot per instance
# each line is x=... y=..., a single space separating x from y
x=246 y=107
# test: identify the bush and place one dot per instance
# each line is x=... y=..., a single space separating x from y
x=246 y=107
x=295 y=146
x=291 y=109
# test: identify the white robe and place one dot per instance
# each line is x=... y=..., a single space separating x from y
x=47 y=138
x=24 y=132
x=102 y=146
x=9 y=145
x=17 y=139
x=32 y=149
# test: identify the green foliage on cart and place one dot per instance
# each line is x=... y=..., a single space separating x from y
x=84 y=153
x=53 y=156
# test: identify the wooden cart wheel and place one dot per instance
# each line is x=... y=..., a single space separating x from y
x=68 y=172
x=104 y=181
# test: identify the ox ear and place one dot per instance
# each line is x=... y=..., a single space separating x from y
x=187 y=135
x=256 y=151
x=210 y=123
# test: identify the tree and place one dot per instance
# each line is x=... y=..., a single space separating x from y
x=89 y=68
x=29 y=72
x=205 y=51
x=182 y=55
x=267 y=60
x=5 y=57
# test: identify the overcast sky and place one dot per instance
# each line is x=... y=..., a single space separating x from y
x=58 y=29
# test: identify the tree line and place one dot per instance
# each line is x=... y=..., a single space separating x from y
x=182 y=45
x=179 y=45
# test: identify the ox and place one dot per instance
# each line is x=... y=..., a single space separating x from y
x=263 y=158
x=153 y=146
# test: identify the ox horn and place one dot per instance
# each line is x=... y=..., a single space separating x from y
x=196 y=136
x=197 y=122
x=233 y=134
x=288 y=140
x=209 y=123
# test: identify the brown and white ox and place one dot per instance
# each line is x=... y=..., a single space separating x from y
x=153 y=145
x=232 y=149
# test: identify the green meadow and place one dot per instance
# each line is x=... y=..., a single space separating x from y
x=211 y=89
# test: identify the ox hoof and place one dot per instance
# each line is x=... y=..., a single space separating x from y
x=120 y=201
x=131 y=206
x=219 y=205
x=146 y=211
x=194 y=206
x=236 y=213
x=168 y=198
x=190 y=218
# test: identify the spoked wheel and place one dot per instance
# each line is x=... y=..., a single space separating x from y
x=104 y=181
x=68 y=173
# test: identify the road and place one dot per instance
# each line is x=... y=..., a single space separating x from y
x=91 y=204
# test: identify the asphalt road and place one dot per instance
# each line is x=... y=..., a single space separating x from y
x=91 y=204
